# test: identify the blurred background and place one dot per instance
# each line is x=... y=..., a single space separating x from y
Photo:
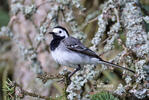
x=4 y=19
x=4 y=12
x=12 y=65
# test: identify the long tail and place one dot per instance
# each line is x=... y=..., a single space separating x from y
x=114 y=65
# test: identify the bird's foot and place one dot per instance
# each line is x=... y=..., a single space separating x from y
x=66 y=79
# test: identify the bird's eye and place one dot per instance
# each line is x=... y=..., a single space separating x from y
x=60 y=31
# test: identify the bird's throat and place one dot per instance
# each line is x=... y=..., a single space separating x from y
x=55 y=42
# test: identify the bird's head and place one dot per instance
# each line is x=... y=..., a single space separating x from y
x=59 y=31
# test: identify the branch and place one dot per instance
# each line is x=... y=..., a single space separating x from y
x=45 y=77
x=24 y=92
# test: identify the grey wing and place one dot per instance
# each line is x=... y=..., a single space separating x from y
x=75 y=45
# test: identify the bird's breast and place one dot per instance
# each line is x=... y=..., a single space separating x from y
x=70 y=58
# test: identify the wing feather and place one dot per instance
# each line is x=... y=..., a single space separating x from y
x=75 y=45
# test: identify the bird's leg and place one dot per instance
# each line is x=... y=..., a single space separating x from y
x=71 y=74
x=77 y=69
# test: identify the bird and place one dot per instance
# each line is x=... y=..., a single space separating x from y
x=69 y=51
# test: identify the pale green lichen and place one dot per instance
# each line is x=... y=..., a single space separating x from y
x=140 y=94
x=15 y=1
x=65 y=2
x=29 y=10
x=128 y=79
x=69 y=16
x=86 y=97
x=139 y=69
x=53 y=16
x=110 y=43
x=102 y=27
x=30 y=54
x=81 y=36
x=74 y=26
x=16 y=7
x=109 y=6
x=42 y=31
x=5 y=31
x=120 y=89
x=75 y=3
x=146 y=69
x=64 y=71
x=137 y=41
x=146 y=19
x=78 y=81
x=53 y=12
x=136 y=35
x=91 y=15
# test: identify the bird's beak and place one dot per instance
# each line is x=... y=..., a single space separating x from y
x=51 y=33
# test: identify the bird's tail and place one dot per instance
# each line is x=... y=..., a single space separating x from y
x=114 y=65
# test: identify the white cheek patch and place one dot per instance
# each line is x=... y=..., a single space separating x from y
x=64 y=34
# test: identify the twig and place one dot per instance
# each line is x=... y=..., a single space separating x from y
x=36 y=95
x=13 y=18
x=45 y=77
x=85 y=24
x=92 y=20
x=29 y=40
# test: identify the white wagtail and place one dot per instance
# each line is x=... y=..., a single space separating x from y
x=69 y=51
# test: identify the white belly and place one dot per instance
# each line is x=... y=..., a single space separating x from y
x=72 y=58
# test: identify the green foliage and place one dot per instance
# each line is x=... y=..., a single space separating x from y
x=146 y=7
x=4 y=18
x=9 y=89
x=103 y=96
